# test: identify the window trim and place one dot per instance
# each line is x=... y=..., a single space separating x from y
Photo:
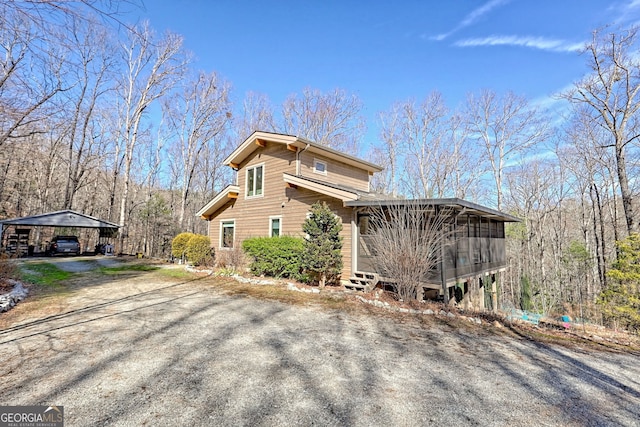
x=316 y=162
x=271 y=218
x=221 y=245
x=246 y=186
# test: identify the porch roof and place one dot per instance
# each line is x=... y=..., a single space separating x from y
x=454 y=203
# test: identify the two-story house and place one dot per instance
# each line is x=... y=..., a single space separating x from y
x=279 y=177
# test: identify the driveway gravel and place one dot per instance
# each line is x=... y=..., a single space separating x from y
x=141 y=351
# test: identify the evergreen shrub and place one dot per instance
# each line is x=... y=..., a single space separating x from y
x=275 y=256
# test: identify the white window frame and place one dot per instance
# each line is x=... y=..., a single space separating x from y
x=246 y=187
x=222 y=227
x=317 y=162
x=271 y=219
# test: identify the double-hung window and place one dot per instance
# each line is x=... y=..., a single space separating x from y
x=255 y=181
x=227 y=233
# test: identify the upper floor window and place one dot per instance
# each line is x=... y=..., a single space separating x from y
x=319 y=166
x=255 y=181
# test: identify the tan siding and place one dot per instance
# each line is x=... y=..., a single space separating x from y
x=252 y=214
x=337 y=173
x=295 y=213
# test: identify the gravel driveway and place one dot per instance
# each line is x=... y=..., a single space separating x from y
x=144 y=352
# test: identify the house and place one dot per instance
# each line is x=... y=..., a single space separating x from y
x=279 y=177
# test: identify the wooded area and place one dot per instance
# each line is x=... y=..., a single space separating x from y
x=116 y=122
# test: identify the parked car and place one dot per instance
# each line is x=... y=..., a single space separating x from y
x=64 y=245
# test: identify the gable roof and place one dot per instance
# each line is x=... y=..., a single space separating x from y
x=294 y=143
x=331 y=190
x=229 y=192
x=339 y=191
x=65 y=218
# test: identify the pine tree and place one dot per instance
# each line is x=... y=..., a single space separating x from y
x=620 y=301
x=322 y=245
x=525 y=293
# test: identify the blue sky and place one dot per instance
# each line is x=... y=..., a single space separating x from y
x=386 y=51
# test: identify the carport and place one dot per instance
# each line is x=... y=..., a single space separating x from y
x=19 y=240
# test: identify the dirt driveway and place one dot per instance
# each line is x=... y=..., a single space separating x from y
x=142 y=350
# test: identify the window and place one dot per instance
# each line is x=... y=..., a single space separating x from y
x=227 y=233
x=275 y=224
x=255 y=181
x=319 y=166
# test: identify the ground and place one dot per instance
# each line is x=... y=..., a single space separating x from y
x=143 y=348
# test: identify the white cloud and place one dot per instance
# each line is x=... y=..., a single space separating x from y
x=472 y=18
x=531 y=42
x=624 y=12
x=633 y=4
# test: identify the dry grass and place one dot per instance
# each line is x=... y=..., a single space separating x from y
x=492 y=323
x=39 y=305
x=279 y=292
x=591 y=337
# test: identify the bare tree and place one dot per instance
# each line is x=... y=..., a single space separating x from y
x=152 y=68
x=611 y=90
x=257 y=115
x=504 y=127
x=31 y=74
x=537 y=191
x=331 y=119
x=424 y=134
x=407 y=242
x=43 y=14
x=592 y=170
x=196 y=116
x=33 y=60
x=389 y=152
x=428 y=150
x=92 y=67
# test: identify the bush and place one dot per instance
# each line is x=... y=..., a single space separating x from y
x=199 y=251
x=322 y=255
x=179 y=245
x=279 y=257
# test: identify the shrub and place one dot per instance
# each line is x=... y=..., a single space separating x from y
x=199 y=251
x=321 y=253
x=179 y=245
x=405 y=240
x=275 y=256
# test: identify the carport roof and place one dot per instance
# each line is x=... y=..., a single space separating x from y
x=66 y=218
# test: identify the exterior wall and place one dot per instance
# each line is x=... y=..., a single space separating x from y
x=296 y=209
x=252 y=214
x=337 y=173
